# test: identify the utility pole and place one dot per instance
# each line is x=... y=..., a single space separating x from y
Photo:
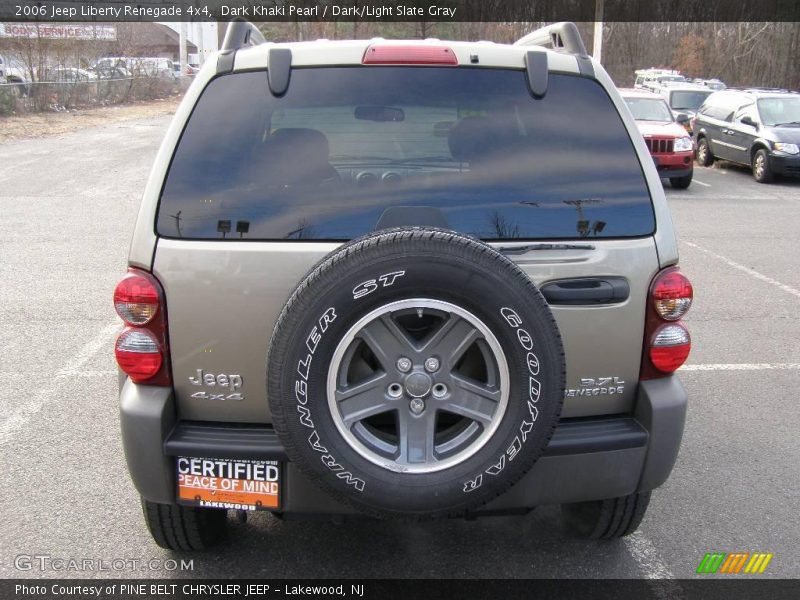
x=197 y=39
x=597 y=39
x=182 y=47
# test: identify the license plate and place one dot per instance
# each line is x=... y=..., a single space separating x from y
x=229 y=483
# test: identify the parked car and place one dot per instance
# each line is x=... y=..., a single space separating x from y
x=685 y=99
x=139 y=66
x=759 y=128
x=112 y=62
x=664 y=80
x=188 y=69
x=110 y=72
x=670 y=146
x=66 y=75
x=13 y=71
x=154 y=67
x=401 y=286
x=712 y=84
x=652 y=79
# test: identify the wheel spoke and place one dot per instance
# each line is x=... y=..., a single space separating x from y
x=473 y=400
x=416 y=433
x=452 y=339
x=363 y=400
x=387 y=341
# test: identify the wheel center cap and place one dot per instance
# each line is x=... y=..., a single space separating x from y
x=418 y=385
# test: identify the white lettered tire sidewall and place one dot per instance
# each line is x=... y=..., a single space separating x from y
x=386 y=267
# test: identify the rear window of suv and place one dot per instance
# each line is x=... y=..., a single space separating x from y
x=348 y=150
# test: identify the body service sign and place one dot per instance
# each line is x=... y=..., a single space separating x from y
x=227 y=483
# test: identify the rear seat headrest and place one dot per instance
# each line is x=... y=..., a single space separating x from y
x=298 y=143
x=478 y=138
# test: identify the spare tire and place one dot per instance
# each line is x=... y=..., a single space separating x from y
x=415 y=372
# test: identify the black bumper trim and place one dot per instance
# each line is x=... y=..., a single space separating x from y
x=224 y=440
x=579 y=436
x=667 y=173
x=229 y=440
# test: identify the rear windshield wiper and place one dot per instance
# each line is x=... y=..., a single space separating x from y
x=787 y=123
x=363 y=159
x=426 y=159
x=534 y=247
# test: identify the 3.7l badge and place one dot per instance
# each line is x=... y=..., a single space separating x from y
x=597 y=386
x=229 y=383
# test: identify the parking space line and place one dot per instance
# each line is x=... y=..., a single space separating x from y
x=742 y=367
x=648 y=558
x=17 y=420
x=652 y=566
x=107 y=373
x=752 y=272
x=89 y=350
x=703 y=183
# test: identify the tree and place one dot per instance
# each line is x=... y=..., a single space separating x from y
x=689 y=57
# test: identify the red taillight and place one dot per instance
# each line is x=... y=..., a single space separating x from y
x=141 y=349
x=667 y=341
x=409 y=55
x=672 y=295
x=136 y=299
x=138 y=354
x=669 y=347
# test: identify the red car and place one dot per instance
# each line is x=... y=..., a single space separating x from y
x=670 y=146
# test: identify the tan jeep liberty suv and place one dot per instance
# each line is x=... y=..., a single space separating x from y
x=409 y=279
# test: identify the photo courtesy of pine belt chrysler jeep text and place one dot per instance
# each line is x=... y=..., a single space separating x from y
x=407 y=279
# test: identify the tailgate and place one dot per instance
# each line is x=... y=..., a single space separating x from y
x=223 y=300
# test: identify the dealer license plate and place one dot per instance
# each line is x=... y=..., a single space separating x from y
x=229 y=483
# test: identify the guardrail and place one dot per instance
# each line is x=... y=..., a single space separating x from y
x=56 y=96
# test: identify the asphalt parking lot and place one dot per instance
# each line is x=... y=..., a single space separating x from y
x=68 y=207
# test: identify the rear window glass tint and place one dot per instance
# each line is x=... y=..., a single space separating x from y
x=348 y=150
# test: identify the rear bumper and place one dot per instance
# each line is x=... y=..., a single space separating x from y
x=587 y=458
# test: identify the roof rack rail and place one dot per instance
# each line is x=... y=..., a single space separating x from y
x=753 y=89
x=242 y=33
x=559 y=36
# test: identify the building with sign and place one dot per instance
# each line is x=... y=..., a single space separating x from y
x=59 y=31
x=47 y=44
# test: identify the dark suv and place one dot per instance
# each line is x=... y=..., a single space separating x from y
x=755 y=127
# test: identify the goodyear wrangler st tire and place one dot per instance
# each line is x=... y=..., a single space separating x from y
x=415 y=372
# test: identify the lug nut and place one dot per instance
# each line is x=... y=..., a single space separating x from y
x=404 y=364
x=439 y=390
x=417 y=405
x=395 y=390
x=432 y=365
